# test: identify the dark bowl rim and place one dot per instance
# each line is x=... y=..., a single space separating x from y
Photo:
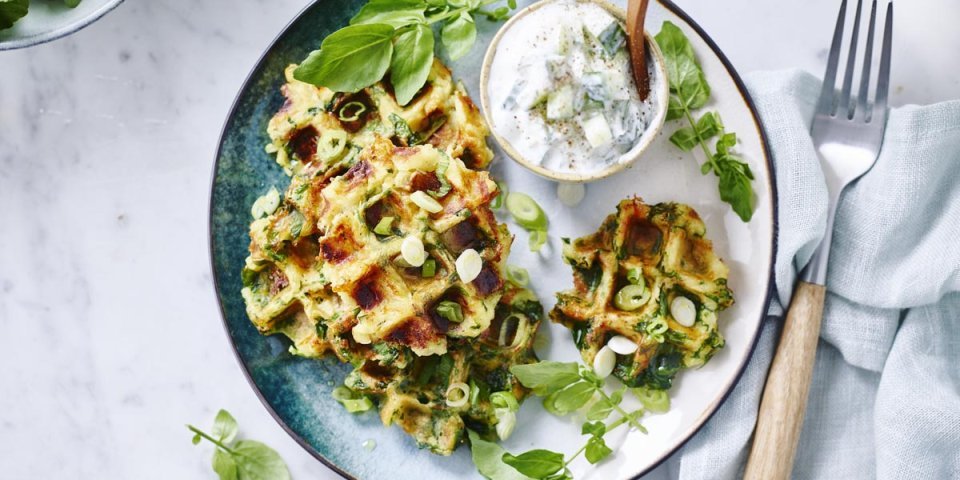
x=771 y=287
x=59 y=32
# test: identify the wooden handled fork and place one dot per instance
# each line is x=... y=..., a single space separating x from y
x=847 y=132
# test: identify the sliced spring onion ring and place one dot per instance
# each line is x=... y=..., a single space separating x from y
x=458 y=394
x=351 y=400
x=469 y=264
x=519 y=336
x=384 y=226
x=683 y=311
x=571 y=194
x=526 y=211
x=504 y=400
x=604 y=362
x=429 y=268
x=332 y=145
x=506 y=421
x=474 y=392
x=536 y=240
x=452 y=311
x=412 y=251
x=656 y=328
x=622 y=345
x=635 y=276
x=342 y=393
x=425 y=202
x=631 y=297
x=652 y=400
x=518 y=275
x=266 y=204
x=344 y=114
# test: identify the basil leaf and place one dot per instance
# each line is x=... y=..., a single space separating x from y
x=349 y=59
x=412 y=59
x=546 y=377
x=396 y=13
x=224 y=465
x=488 y=457
x=11 y=11
x=458 y=35
x=256 y=461
x=597 y=450
x=573 y=397
x=597 y=429
x=673 y=43
x=535 y=463
x=224 y=427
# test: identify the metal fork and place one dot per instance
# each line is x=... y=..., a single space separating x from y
x=847 y=132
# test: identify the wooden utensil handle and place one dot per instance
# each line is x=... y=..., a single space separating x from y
x=788 y=383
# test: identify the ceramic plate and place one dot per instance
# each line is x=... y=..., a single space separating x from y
x=297 y=391
x=51 y=19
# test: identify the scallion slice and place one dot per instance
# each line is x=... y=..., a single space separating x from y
x=518 y=275
x=536 y=240
x=266 y=204
x=526 y=211
x=429 y=268
x=458 y=394
x=635 y=276
x=631 y=297
x=504 y=400
x=345 y=114
x=425 y=202
x=497 y=201
x=384 y=226
x=450 y=311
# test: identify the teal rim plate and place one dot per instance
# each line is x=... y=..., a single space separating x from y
x=297 y=392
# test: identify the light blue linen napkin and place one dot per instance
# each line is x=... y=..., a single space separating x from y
x=885 y=398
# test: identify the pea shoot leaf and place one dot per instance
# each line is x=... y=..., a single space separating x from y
x=412 y=59
x=349 y=59
x=255 y=460
x=459 y=35
x=597 y=429
x=224 y=427
x=538 y=463
x=488 y=457
x=546 y=377
x=224 y=465
x=573 y=397
x=597 y=449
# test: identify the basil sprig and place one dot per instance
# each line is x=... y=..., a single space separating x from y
x=690 y=91
x=395 y=35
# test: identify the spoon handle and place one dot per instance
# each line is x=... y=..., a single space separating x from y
x=636 y=13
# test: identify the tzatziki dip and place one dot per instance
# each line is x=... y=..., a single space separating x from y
x=561 y=89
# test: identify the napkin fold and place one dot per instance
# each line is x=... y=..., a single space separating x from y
x=885 y=398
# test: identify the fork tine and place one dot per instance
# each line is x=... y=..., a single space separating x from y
x=865 y=76
x=844 y=105
x=883 y=83
x=825 y=104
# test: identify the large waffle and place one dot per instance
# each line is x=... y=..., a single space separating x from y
x=666 y=243
x=319 y=274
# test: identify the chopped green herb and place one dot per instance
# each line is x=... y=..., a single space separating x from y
x=384 y=226
x=450 y=311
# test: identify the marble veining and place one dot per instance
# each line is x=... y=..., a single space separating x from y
x=111 y=337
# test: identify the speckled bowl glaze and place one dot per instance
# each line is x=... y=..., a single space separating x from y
x=50 y=20
x=659 y=94
x=297 y=391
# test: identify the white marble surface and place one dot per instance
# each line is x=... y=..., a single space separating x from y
x=111 y=339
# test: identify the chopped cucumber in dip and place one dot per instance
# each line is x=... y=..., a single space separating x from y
x=570 y=104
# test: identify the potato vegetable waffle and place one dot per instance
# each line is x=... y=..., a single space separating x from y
x=648 y=286
x=384 y=253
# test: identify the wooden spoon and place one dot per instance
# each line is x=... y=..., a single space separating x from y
x=636 y=13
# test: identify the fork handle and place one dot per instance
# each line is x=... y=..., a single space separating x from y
x=788 y=383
